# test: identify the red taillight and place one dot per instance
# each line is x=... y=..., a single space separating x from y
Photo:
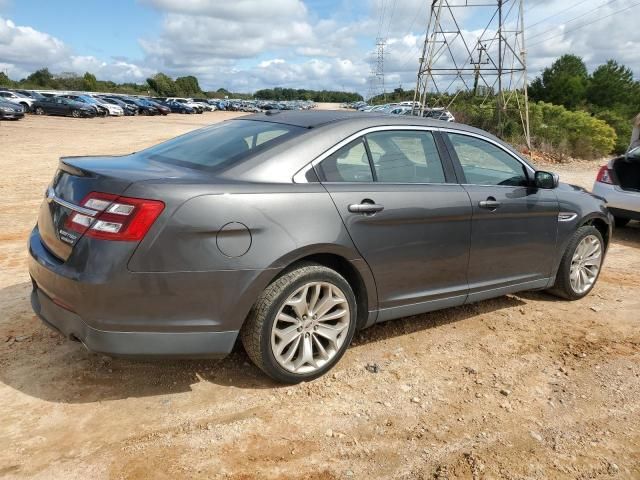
x=117 y=218
x=604 y=175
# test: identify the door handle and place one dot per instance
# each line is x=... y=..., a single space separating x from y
x=490 y=203
x=366 y=207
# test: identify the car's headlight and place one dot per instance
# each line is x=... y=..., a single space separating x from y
x=6 y=109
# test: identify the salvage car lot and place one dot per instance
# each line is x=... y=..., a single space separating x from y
x=523 y=386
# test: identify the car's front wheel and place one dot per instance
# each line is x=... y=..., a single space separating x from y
x=39 y=111
x=580 y=265
x=301 y=325
x=75 y=113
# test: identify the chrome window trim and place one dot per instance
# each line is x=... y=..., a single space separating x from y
x=51 y=197
x=300 y=176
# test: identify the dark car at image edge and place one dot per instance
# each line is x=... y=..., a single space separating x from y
x=55 y=105
x=293 y=230
x=11 y=111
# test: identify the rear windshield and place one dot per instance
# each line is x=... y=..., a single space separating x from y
x=221 y=145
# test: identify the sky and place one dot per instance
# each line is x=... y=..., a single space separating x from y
x=245 y=45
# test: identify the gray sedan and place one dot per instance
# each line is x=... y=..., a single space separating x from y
x=293 y=230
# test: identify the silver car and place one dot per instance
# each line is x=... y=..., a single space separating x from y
x=619 y=183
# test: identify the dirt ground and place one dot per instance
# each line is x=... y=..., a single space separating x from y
x=520 y=387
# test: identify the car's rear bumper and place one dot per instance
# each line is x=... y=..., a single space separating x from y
x=116 y=311
x=11 y=116
x=131 y=344
x=618 y=199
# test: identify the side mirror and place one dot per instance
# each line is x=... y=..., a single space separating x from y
x=546 y=180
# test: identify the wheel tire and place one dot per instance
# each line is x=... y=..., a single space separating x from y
x=75 y=113
x=257 y=329
x=39 y=111
x=562 y=287
x=26 y=107
x=144 y=113
x=621 y=222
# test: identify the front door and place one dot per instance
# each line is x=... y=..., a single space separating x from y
x=409 y=219
x=514 y=225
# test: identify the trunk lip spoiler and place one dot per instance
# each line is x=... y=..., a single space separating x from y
x=52 y=197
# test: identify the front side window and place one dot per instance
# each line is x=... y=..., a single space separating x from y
x=486 y=164
x=220 y=145
x=348 y=164
x=405 y=156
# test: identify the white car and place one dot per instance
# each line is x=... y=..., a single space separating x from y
x=439 y=113
x=618 y=182
x=114 y=110
x=18 y=98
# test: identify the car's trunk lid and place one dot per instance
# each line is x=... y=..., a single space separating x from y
x=627 y=171
x=76 y=178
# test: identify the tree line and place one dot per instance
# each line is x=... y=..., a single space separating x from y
x=332 y=96
x=163 y=85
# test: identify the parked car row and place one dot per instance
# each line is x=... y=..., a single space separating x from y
x=15 y=103
x=403 y=108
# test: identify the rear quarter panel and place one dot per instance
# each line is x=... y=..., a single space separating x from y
x=279 y=220
x=284 y=223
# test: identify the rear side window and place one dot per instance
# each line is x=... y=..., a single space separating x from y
x=405 y=156
x=349 y=164
x=222 y=144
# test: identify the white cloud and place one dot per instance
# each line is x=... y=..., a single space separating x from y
x=23 y=48
x=266 y=63
x=237 y=10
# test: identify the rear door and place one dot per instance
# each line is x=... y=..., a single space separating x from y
x=514 y=226
x=406 y=214
x=60 y=106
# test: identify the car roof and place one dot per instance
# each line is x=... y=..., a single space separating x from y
x=318 y=118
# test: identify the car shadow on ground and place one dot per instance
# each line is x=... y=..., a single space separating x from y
x=41 y=363
x=628 y=236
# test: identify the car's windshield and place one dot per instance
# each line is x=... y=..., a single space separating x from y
x=222 y=144
x=88 y=99
x=36 y=95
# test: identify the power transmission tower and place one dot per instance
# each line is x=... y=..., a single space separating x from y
x=376 y=80
x=492 y=65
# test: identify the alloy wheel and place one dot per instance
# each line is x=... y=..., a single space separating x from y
x=310 y=327
x=585 y=264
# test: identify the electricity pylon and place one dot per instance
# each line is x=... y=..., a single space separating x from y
x=492 y=65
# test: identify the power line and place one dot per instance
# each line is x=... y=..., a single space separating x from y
x=583 y=25
x=555 y=14
x=381 y=21
x=393 y=10
x=574 y=18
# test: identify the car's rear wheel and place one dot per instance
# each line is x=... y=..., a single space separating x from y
x=75 y=113
x=621 y=222
x=580 y=264
x=301 y=325
x=39 y=111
